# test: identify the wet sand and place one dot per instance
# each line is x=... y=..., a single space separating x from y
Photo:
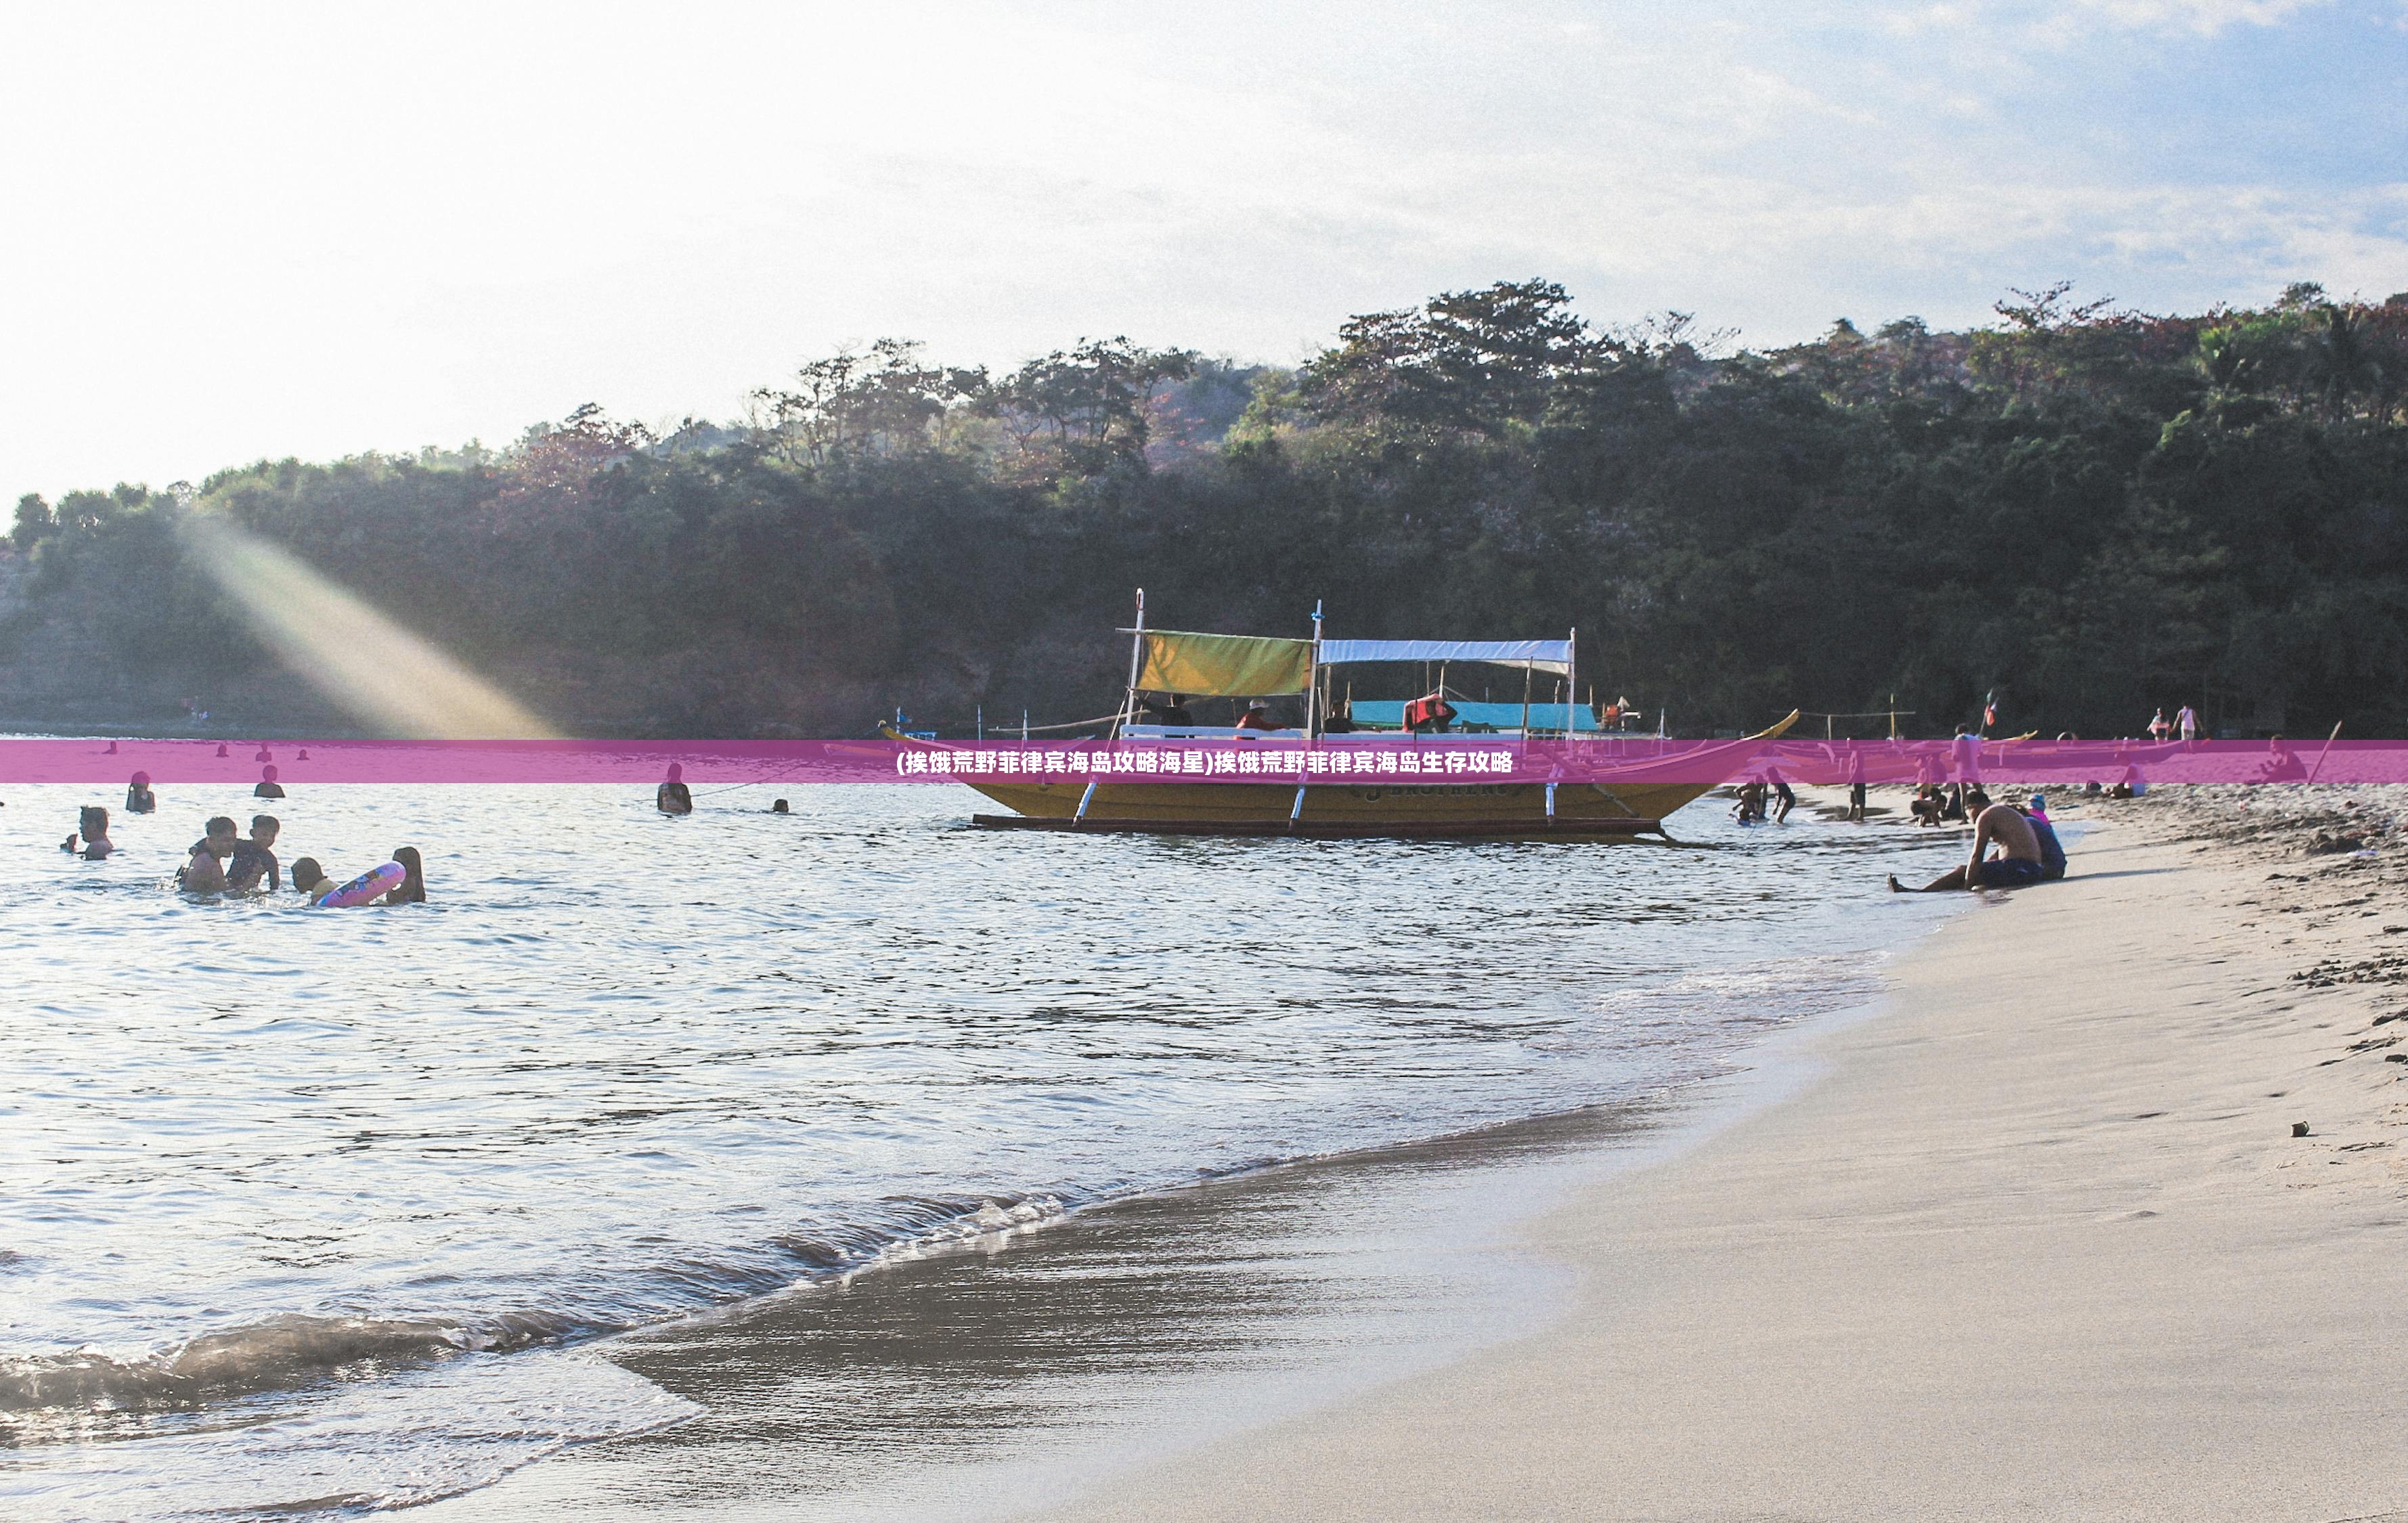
x=2037 y=1241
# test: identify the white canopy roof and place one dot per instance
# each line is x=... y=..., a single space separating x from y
x=1554 y=655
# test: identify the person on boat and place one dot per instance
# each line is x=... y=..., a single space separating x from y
x=205 y=873
x=413 y=884
x=138 y=799
x=1430 y=713
x=1164 y=708
x=268 y=787
x=92 y=823
x=1784 y=798
x=2017 y=865
x=672 y=797
x=1341 y=720
x=253 y=863
x=1257 y=716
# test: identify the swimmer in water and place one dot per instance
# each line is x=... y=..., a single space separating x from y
x=203 y=873
x=780 y=807
x=139 y=799
x=268 y=787
x=92 y=825
x=413 y=886
x=310 y=881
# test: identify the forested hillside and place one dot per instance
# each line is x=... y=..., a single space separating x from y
x=2089 y=512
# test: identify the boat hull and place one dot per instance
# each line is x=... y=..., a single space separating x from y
x=1441 y=809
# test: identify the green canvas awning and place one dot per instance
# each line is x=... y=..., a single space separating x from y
x=1223 y=666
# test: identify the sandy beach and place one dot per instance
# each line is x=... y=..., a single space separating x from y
x=2033 y=1240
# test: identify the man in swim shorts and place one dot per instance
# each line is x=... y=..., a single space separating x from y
x=203 y=874
x=2017 y=864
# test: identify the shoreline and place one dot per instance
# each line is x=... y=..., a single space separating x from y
x=2047 y=1249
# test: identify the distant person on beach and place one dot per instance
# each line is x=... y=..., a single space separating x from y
x=1257 y=716
x=1952 y=801
x=1926 y=804
x=2281 y=764
x=671 y=797
x=2017 y=866
x=92 y=823
x=1784 y=798
x=253 y=863
x=1965 y=752
x=2132 y=785
x=1856 y=783
x=205 y=873
x=2158 y=727
x=268 y=787
x=139 y=799
x=2187 y=722
x=413 y=883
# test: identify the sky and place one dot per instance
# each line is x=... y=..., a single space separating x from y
x=236 y=233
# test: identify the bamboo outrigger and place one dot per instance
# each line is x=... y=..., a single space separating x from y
x=1622 y=786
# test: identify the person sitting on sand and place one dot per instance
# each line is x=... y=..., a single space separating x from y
x=2052 y=851
x=1951 y=802
x=310 y=881
x=92 y=825
x=205 y=873
x=268 y=787
x=2281 y=765
x=2019 y=866
x=671 y=797
x=413 y=884
x=139 y=799
x=1926 y=804
x=253 y=865
x=2133 y=785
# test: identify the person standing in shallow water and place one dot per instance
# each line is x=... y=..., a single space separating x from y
x=268 y=787
x=138 y=797
x=672 y=797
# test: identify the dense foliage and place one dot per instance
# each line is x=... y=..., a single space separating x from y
x=2088 y=511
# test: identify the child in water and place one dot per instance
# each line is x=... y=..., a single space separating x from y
x=310 y=881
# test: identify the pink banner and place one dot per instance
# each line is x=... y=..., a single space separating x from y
x=1385 y=759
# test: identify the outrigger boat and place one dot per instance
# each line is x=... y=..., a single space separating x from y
x=1596 y=787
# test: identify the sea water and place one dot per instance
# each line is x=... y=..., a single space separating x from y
x=327 y=1209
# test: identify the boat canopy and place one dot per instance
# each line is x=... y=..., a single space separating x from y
x=1223 y=666
x=1554 y=655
